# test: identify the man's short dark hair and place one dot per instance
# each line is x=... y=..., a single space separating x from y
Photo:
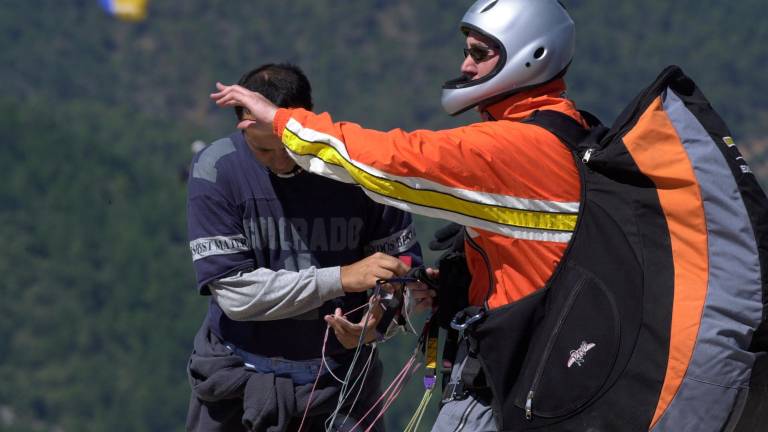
x=284 y=84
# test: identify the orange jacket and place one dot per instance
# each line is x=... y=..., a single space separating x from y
x=516 y=185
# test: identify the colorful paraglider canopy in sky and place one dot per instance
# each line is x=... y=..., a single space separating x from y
x=127 y=10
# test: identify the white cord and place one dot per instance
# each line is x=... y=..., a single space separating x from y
x=407 y=301
x=364 y=375
x=343 y=390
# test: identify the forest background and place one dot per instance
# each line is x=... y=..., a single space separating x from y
x=98 y=304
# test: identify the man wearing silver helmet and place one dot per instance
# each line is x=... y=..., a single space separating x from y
x=513 y=185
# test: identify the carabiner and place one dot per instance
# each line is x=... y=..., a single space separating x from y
x=461 y=327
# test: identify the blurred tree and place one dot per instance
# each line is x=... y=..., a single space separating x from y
x=96 y=121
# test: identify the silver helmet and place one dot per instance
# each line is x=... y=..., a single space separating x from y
x=536 y=40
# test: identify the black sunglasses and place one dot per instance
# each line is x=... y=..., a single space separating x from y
x=478 y=53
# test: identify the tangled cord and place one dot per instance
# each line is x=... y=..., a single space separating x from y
x=395 y=387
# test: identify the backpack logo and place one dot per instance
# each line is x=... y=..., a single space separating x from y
x=577 y=355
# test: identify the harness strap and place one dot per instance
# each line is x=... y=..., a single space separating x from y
x=470 y=373
x=564 y=127
x=472 y=380
x=450 y=347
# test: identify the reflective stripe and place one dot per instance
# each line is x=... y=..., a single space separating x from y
x=394 y=244
x=323 y=154
x=509 y=231
x=314 y=137
x=219 y=245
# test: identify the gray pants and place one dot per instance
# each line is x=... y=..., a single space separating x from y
x=469 y=414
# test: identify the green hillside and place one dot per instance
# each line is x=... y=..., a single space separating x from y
x=99 y=305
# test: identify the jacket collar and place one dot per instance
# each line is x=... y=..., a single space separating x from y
x=521 y=105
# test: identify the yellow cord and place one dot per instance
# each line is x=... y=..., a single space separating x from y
x=413 y=424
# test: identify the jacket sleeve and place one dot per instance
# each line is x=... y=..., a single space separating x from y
x=482 y=175
x=266 y=295
x=395 y=153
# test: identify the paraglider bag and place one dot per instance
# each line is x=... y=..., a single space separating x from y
x=649 y=319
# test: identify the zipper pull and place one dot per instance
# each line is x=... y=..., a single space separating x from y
x=528 y=406
x=587 y=155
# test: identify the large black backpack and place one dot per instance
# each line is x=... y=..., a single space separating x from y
x=651 y=320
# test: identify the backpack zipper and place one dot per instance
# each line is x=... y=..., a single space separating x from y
x=548 y=348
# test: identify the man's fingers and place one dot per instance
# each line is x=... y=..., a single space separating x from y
x=390 y=263
x=372 y=316
x=397 y=267
x=346 y=339
x=223 y=90
x=383 y=273
x=332 y=320
x=394 y=265
x=223 y=99
x=232 y=91
x=226 y=92
x=341 y=324
x=376 y=313
x=348 y=333
x=230 y=99
x=364 y=274
x=334 y=323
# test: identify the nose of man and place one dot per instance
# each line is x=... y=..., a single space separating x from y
x=469 y=67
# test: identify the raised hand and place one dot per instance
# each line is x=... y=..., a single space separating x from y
x=261 y=110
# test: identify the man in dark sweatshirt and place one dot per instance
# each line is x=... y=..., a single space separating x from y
x=282 y=253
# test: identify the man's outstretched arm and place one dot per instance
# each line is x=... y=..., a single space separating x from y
x=481 y=175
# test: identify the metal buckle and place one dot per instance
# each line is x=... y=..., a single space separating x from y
x=455 y=391
x=460 y=327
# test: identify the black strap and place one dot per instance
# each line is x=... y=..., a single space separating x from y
x=450 y=348
x=563 y=126
x=470 y=373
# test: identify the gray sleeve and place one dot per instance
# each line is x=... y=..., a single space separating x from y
x=267 y=295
